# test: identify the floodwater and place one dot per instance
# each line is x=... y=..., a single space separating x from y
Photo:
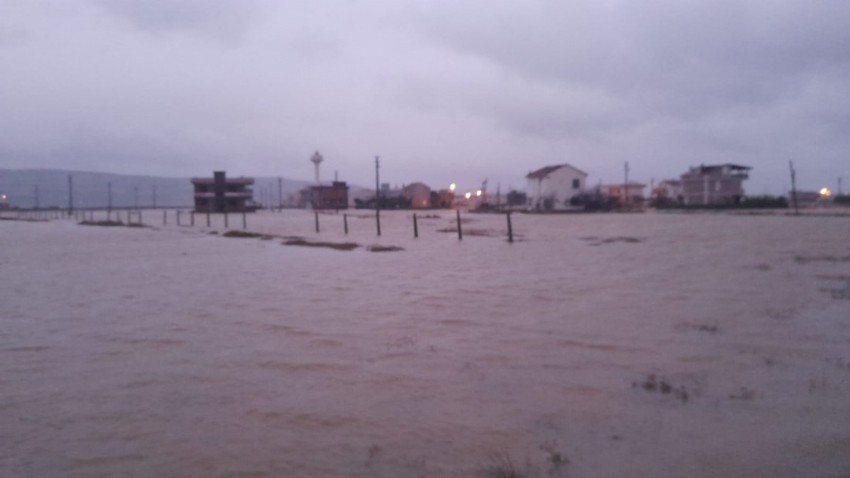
x=608 y=345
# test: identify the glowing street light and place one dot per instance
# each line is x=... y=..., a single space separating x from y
x=825 y=192
x=467 y=195
x=478 y=193
x=452 y=187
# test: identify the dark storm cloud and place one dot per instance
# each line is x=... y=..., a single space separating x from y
x=686 y=60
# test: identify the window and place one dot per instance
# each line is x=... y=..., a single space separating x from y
x=576 y=183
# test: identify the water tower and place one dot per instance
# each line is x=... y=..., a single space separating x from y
x=316 y=159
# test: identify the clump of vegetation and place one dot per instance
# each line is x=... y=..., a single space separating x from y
x=23 y=219
x=501 y=466
x=339 y=246
x=654 y=384
x=743 y=394
x=822 y=258
x=108 y=223
x=473 y=232
x=384 y=248
x=556 y=459
x=712 y=329
x=596 y=241
x=242 y=234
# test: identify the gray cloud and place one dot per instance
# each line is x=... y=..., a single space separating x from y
x=225 y=20
x=442 y=90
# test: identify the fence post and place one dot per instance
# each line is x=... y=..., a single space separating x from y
x=510 y=229
x=317 y=220
x=459 y=228
x=345 y=223
x=415 y=227
x=244 y=220
x=378 y=220
x=225 y=219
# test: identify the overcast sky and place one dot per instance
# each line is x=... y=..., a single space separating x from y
x=442 y=90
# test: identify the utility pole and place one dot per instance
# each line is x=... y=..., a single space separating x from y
x=377 y=194
x=70 y=195
x=794 y=187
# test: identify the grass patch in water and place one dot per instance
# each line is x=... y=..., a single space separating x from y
x=244 y=234
x=339 y=246
x=102 y=223
x=384 y=248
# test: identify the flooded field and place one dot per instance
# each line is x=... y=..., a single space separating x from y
x=608 y=345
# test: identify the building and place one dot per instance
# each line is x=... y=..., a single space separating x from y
x=222 y=194
x=418 y=194
x=630 y=194
x=668 y=191
x=444 y=199
x=334 y=196
x=713 y=185
x=551 y=188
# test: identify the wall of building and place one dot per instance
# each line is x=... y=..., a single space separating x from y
x=554 y=191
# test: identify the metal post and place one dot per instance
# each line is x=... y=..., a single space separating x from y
x=345 y=223
x=316 y=213
x=377 y=195
x=510 y=229
x=415 y=227
x=225 y=219
x=164 y=217
x=459 y=228
x=794 y=187
x=70 y=194
x=244 y=220
x=208 y=218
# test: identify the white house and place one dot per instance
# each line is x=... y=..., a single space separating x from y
x=552 y=187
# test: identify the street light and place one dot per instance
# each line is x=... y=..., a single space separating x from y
x=452 y=187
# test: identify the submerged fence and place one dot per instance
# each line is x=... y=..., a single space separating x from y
x=187 y=219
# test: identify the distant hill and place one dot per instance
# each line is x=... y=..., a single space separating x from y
x=91 y=189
